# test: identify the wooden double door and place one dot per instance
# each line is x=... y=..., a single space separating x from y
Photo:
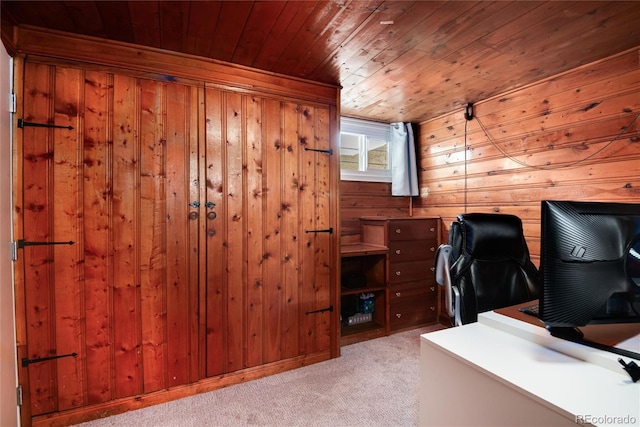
x=201 y=221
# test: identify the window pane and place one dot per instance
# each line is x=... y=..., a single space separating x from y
x=378 y=155
x=349 y=162
x=349 y=151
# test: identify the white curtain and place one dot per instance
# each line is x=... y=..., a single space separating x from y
x=404 y=173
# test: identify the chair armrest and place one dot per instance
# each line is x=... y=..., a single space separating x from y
x=443 y=278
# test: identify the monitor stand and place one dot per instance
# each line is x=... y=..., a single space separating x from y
x=576 y=335
x=566 y=333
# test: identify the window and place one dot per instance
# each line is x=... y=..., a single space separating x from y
x=364 y=150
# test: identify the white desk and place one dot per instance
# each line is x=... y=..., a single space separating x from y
x=504 y=372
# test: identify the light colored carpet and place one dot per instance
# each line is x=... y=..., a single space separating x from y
x=373 y=383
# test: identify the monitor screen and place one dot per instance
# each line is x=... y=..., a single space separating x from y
x=589 y=263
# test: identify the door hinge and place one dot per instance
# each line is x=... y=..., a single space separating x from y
x=19 y=395
x=14 y=251
x=12 y=103
x=321 y=310
x=317 y=150
x=26 y=362
x=21 y=244
x=22 y=124
x=326 y=230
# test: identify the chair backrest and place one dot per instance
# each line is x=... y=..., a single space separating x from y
x=491 y=268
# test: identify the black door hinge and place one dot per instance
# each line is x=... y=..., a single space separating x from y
x=22 y=124
x=21 y=244
x=322 y=310
x=317 y=150
x=26 y=362
x=326 y=230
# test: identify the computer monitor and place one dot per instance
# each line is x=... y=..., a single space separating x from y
x=589 y=264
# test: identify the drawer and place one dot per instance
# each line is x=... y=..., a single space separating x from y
x=411 y=271
x=418 y=293
x=412 y=250
x=404 y=316
x=412 y=229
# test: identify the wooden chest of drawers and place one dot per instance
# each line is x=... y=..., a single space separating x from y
x=412 y=244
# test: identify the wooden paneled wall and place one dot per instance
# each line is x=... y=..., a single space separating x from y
x=571 y=137
x=359 y=198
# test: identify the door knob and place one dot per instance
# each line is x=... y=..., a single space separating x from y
x=193 y=215
x=211 y=215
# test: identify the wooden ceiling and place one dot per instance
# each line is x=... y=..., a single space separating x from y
x=396 y=60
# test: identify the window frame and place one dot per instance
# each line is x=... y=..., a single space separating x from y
x=369 y=130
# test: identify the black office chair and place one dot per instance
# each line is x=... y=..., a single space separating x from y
x=485 y=266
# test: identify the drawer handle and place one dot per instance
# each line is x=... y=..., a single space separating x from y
x=433 y=288
x=398 y=251
x=398 y=294
x=433 y=249
x=397 y=273
x=398 y=231
x=398 y=315
x=433 y=308
x=433 y=269
x=432 y=229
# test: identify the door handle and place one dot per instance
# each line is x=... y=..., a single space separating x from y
x=211 y=215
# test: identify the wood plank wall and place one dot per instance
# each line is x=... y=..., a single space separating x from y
x=359 y=198
x=571 y=137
